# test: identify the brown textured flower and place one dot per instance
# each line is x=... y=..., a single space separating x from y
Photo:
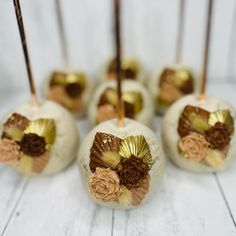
x=132 y=171
x=73 y=90
x=104 y=184
x=33 y=145
x=105 y=112
x=9 y=151
x=194 y=146
x=218 y=136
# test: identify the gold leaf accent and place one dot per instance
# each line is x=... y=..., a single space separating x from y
x=43 y=127
x=111 y=158
x=134 y=98
x=104 y=144
x=222 y=116
x=193 y=119
x=137 y=146
x=15 y=125
x=62 y=78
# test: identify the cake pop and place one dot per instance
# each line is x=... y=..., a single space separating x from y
x=198 y=131
x=38 y=138
x=121 y=160
x=138 y=103
x=172 y=82
x=68 y=87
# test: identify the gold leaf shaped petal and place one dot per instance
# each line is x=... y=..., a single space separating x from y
x=222 y=116
x=14 y=127
x=193 y=119
x=111 y=96
x=43 y=127
x=134 y=98
x=103 y=151
x=137 y=146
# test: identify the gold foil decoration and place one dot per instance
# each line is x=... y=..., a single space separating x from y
x=103 y=152
x=132 y=97
x=222 y=116
x=137 y=146
x=14 y=127
x=45 y=128
x=193 y=119
x=63 y=78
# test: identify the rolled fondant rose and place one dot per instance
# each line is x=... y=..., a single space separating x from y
x=218 y=136
x=132 y=171
x=194 y=146
x=104 y=184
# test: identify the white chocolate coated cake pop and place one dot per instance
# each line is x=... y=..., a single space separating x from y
x=70 y=89
x=137 y=101
x=38 y=139
x=169 y=84
x=199 y=135
x=121 y=167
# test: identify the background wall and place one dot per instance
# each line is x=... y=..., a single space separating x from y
x=149 y=33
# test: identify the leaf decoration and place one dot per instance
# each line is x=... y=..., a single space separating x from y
x=43 y=127
x=39 y=163
x=222 y=116
x=138 y=194
x=62 y=78
x=193 y=119
x=14 y=127
x=137 y=146
x=134 y=98
x=103 y=151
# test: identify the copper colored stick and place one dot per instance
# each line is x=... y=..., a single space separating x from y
x=180 y=32
x=120 y=107
x=62 y=34
x=203 y=79
x=25 y=50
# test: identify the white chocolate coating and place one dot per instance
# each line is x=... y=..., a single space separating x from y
x=85 y=95
x=141 y=77
x=154 y=88
x=145 y=116
x=171 y=137
x=131 y=128
x=65 y=147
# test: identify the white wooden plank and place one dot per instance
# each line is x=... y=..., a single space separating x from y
x=188 y=204
x=58 y=205
x=12 y=188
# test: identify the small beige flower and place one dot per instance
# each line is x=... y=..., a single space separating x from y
x=104 y=184
x=105 y=112
x=194 y=146
x=9 y=152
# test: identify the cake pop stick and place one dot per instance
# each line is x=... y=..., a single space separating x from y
x=180 y=32
x=62 y=33
x=20 y=23
x=120 y=106
x=203 y=79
